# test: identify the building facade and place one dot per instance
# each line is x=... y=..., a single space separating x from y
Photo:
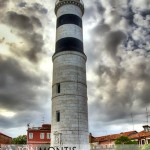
x=142 y=137
x=5 y=139
x=39 y=135
x=108 y=141
x=69 y=88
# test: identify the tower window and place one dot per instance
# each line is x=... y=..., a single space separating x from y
x=58 y=116
x=58 y=88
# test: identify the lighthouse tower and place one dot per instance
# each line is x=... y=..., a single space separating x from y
x=69 y=88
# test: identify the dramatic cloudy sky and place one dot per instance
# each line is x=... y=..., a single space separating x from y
x=117 y=44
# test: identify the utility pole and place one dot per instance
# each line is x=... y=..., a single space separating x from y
x=43 y=118
x=147 y=115
x=132 y=121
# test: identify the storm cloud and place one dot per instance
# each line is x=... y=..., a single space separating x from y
x=123 y=73
x=24 y=87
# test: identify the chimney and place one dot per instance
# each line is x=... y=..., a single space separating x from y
x=146 y=128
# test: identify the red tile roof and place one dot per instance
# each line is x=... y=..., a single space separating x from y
x=141 y=134
x=5 y=135
x=129 y=133
x=113 y=137
x=106 y=138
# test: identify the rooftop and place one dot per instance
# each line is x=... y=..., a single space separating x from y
x=141 y=134
x=113 y=136
x=5 y=135
x=43 y=127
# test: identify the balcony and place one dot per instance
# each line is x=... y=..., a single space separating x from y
x=79 y=1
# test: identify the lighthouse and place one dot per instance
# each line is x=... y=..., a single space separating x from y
x=69 y=88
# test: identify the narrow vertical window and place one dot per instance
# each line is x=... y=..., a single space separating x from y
x=48 y=135
x=30 y=135
x=58 y=116
x=41 y=135
x=58 y=88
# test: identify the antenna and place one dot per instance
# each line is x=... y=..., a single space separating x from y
x=43 y=118
x=147 y=115
x=132 y=121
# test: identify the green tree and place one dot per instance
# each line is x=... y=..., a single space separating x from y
x=124 y=143
x=22 y=139
x=146 y=147
x=124 y=140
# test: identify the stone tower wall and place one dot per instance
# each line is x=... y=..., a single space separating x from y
x=69 y=70
x=69 y=89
